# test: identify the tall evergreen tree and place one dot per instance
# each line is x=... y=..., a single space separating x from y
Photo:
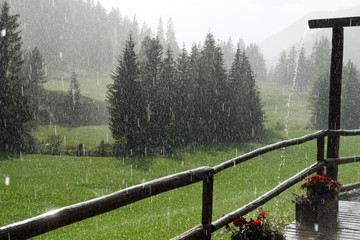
x=302 y=81
x=125 y=103
x=150 y=69
x=280 y=74
x=257 y=62
x=320 y=58
x=246 y=115
x=14 y=109
x=34 y=77
x=350 y=101
x=319 y=102
x=74 y=104
x=171 y=39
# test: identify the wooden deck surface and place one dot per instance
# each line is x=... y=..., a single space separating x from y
x=348 y=226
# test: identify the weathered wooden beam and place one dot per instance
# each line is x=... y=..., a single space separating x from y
x=334 y=22
x=320 y=150
x=268 y=148
x=343 y=160
x=335 y=97
x=207 y=204
x=77 y=212
x=196 y=233
x=349 y=187
x=266 y=197
x=342 y=132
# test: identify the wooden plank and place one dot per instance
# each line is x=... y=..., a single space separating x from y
x=196 y=233
x=348 y=225
x=334 y=22
x=266 y=197
x=268 y=148
x=342 y=132
x=77 y=212
x=207 y=204
x=335 y=98
x=349 y=187
x=343 y=160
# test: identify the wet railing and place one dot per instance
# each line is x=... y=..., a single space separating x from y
x=77 y=212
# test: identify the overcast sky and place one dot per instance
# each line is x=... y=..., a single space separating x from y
x=252 y=20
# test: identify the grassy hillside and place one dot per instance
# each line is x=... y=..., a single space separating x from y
x=90 y=87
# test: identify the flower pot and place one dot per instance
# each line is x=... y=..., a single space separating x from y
x=320 y=217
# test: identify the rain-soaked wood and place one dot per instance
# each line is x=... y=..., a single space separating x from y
x=335 y=97
x=207 y=204
x=320 y=150
x=266 y=197
x=349 y=187
x=343 y=160
x=268 y=148
x=196 y=233
x=77 y=212
x=335 y=22
x=342 y=132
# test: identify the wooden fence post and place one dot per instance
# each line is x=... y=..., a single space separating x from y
x=320 y=151
x=207 y=204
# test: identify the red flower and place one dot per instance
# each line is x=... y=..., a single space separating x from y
x=257 y=222
x=239 y=222
x=263 y=214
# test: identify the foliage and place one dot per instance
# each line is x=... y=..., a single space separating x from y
x=350 y=107
x=52 y=145
x=15 y=112
x=260 y=228
x=318 y=189
x=33 y=75
x=189 y=100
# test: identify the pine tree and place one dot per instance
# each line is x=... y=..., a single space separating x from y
x=125 y=103
x=245 y=113
x=257 y=62
x=171 y=39
x=74 y=104
x=34 y=77
x=14 y=110
x=319 y=102
x=150 y=69
x=350 y=107
x=302 y=80
x=281 y=70
x=320 y=58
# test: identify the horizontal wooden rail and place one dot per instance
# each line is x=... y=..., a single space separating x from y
x=342 y=132
x=343 y=160
x=335 y=22
x=349 y=187
x=77 y=212
x=268 y=148
x=266 y=197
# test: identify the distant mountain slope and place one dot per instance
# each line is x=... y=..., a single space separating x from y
x=283 y=40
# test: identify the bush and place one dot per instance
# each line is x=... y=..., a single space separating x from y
x=51 y=145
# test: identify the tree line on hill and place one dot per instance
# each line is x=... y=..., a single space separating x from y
x=159 y=101
x=312 y=74
x=82 y=36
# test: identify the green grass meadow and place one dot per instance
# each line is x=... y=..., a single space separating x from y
x=41 y=183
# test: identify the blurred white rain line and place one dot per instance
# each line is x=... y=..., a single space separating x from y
x=7 y=181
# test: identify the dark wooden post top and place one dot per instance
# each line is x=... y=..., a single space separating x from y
x=334 y=22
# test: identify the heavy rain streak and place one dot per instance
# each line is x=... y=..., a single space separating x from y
x=129 y=113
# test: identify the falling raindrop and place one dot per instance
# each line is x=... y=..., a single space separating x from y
x=7 y=181
x=22 y=91
x=3 y=33
x=131 y=170
x=60 y=55
x=55 y=130
x=64 y=140
x=107 y=137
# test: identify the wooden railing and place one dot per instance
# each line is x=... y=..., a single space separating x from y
x=77 y=212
